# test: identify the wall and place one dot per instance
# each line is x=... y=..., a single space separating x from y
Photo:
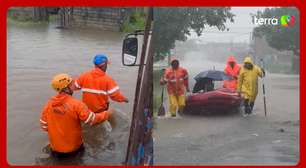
x=104 y=18
x=110 y=18
x=24 y=12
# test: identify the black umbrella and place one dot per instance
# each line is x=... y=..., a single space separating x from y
x=213 y=75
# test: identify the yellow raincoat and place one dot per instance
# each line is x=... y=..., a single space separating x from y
x=248 y=81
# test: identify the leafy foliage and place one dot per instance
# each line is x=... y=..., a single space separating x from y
x=171 y=24
x=280 y=37
x=136 y=22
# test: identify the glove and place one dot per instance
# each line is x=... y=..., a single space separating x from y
x=188 y=94
x=162 y=81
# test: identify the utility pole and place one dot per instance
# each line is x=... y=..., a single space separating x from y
x=231 y=46
x=253 y=40
x=140 y=144
x=250 y=42
x=169 y=58
x=255 y=46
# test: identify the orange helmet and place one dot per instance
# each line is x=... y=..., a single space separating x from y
x=60 y=81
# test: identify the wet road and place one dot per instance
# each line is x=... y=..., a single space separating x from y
x=231 y=139
x=35 y=54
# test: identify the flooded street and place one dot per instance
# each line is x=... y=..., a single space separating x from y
x=35 y=54
x=212 y=130
x=230 y=139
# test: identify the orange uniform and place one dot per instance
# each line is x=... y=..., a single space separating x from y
x=232 y=72
x=61 y=118
x=177 y=81
x=97 y=86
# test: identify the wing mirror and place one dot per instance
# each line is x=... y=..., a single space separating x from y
x=130 y=48
x=130 y=51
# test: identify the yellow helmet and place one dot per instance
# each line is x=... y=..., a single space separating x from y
x=60 y=81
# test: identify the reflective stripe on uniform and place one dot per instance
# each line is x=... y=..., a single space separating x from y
x=174 y=80
x=77 y=85
x=111 y=91
x=93 y=118
x=91 y=114
x=94 y=91
x=170 y=80
x=42 y=121
x=44 y=127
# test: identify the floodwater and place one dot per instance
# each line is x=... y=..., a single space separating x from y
x=230 y=139
x=35 y=54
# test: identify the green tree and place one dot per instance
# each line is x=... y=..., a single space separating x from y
x=135 y=22
x=171 y=24
x=280 y=37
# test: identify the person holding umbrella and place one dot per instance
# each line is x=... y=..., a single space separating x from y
x=176 y=79
x=248 y=83
x=205 y=80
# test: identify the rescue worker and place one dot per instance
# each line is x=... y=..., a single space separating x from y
x=62 y=115
x=248 y=83
x=231 y=69
x=176 y=79
x=97 y=87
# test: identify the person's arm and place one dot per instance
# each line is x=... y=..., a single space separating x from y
x=89 y=117
x=260 y=71
x=225 y=70
x=43 y=119
x=237 y=76
x=240 y=81
x=77 y=83
x=114 y=92
x=164 y=78
x=186 y=83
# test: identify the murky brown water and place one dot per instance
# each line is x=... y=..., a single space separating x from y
x=35 y=54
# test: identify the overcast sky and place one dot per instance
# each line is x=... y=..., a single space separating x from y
x=239 y=31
